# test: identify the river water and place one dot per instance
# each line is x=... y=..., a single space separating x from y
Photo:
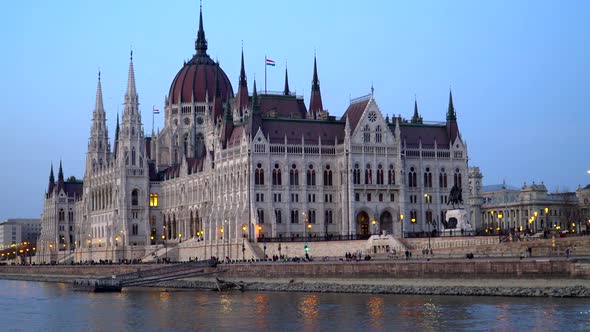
x=36 y=306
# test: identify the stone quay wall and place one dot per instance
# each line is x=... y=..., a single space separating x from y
x=451 y=269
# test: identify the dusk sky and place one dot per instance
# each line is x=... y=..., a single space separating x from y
x=519 y=72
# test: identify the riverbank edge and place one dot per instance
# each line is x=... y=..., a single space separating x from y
x=352 y=286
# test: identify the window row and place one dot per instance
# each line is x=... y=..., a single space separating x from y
x=277 y=176
x=308 y=217
x=379 y=175
x=427 y=179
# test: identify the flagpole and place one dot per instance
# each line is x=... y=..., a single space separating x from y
x=265 y=74
x=153 y=115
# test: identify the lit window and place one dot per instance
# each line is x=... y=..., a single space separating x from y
x=153 y=199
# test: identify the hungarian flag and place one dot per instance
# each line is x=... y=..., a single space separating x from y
x=270 y=62
x=156 y=111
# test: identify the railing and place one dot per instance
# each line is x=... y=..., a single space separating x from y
x=315 y=238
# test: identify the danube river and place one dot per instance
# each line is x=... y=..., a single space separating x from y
x=35 y=306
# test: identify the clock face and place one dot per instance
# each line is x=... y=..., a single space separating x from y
x=372 y=117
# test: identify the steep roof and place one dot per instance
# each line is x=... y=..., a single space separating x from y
x=284 y=106
x=412 y=134
x=310 y=130
x=355 y=111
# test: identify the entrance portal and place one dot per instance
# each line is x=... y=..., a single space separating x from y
x=386 y=222
x=362 y=223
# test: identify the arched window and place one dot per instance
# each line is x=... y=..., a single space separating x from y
x=126 y=158
x=134 y=229
x=379 y=174
x=378 y=134
x=294 y=176
x=259 y=175
x=367 y=134
x=391 y=175
x=311 y=214
x=278 y=217
x=356 y=175
x=276 y=175
x=185 y=144
x=412 y=183
x=428 y=178
x=61 y=215
x=135 y=197
x=368 y=175
x=260 y=214
x=442 y=178
x=310 y=176
x=328 y=217
x=133 y=156
x=327 y=176
x=295 y=216
x=457 y=178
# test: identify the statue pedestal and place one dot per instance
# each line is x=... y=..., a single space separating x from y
x=457 y=223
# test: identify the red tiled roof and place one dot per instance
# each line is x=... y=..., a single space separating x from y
x=412 y=134
x=284 y=106
x=354 y=112
x=198 y=76
x=311 y=130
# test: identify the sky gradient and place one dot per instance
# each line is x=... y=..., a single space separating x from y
x=519 y=71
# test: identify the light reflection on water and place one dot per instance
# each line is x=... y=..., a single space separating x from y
x=31 y=306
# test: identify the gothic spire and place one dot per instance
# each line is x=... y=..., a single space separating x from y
x=242 y=98
x=255 y=106
x=286 y=90
x=60 y=178
x=315 y=84
x=451 y=115
x=117 y=129
x=201 y=43
x=315 y=101
x=131 y=91
x=243 y=81
x=98 y=105
x=51 y=180
x=416 y=118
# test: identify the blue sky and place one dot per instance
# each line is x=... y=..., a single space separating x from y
x=518 y=69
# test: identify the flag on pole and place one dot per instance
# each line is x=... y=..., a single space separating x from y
x=156 y=111
x=270 y=62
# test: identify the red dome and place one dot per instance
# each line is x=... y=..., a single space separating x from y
x=197 y=77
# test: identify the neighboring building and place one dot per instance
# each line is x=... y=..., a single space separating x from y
x=530 y=208
x=16 y=231
x=228 y=166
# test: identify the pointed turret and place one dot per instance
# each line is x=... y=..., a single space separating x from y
x=315 y=101
x=51 y=181
x=131 y=93
x=98 y=104
x=201 y=43
x=217 y=103
x=60 y=178
x=286 y=90
x=452 y=127
x=451 y=115
x=116 y=137
x=98 y=142
x=242 y=98
x=416 y=118
x=228 y=123
x=255 y=105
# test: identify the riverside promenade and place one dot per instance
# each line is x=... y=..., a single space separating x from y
x=537 y=276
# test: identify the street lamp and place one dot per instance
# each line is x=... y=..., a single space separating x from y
x=536 y=214
x=428 y=217
x=244 y=229
x=165 y=247
x=500 y=215
x=546 y=218
x=374 y=222
x=401 y=218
